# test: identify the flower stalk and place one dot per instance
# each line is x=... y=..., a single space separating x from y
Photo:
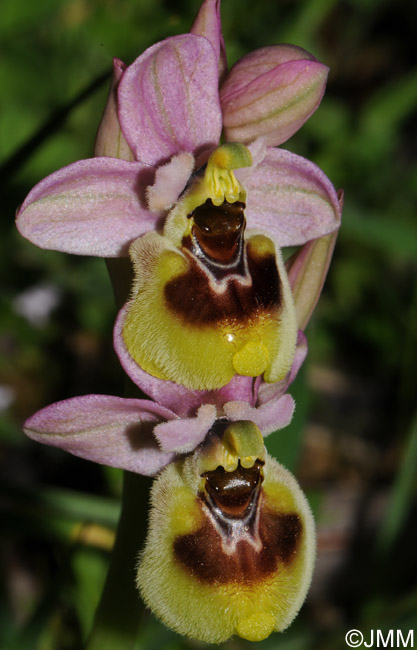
x=119 y=613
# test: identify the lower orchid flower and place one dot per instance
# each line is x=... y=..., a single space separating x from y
x=231 y=540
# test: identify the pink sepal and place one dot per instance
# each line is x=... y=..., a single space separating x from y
x=290 y=199
x=208 y=24
x=168 y=100
x=271 y=92
x=92 y=207
x=105 y=429
x=110 y=140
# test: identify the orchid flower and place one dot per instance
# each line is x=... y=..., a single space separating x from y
x=231 y=541
x=167 y=120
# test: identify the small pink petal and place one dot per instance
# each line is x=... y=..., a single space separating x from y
x=183 y=401
x=170 y=181
x=110 y=140
x=92 y=207
x=271 y=416
x=104 y=429
x=208 y=24
x=168 y=99
x=307 y=270
x=185 y=434
x=271 y=92
x=291 y=199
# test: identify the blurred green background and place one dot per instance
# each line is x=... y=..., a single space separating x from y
x=353 y=442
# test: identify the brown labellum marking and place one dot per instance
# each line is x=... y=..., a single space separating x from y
x=193 y=296
x=202 y=554
x=218 y=230
x=233 y=493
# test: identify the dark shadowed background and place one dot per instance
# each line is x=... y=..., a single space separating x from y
x=353 y=442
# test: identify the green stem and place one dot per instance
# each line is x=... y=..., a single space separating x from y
x=120 y=610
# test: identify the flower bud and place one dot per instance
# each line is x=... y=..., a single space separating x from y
x=110 y=140
x=271 y=92
x=307 y=270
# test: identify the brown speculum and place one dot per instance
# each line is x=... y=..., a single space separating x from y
x=218 y=230
x=242 y=540
x=234 y=494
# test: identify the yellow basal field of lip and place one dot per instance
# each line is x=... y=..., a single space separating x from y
x=228 y=552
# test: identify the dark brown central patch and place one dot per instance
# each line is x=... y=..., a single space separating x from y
x=233 y=493
x=202 y=555
x=218 y=230
x=191 y=298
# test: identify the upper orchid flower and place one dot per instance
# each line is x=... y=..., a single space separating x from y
x=209 y=299
x=167 y=106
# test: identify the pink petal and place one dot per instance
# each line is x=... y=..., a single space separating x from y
x=105 y=429
x=273 y=415
x=307 y=270
x=109 y=139
x=170 y=180
x=168 y=99
x=208 y=24
x=291 y=199
x=92 y=207
x=181 y=400
x=185 y=434
x=271 y=92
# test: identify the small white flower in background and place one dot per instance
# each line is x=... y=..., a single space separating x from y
x=37 y=303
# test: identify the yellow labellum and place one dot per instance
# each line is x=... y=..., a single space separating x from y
x=200 y=343
x=227 y=552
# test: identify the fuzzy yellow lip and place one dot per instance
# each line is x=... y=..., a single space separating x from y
x=232 y=557
x=188 y=324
